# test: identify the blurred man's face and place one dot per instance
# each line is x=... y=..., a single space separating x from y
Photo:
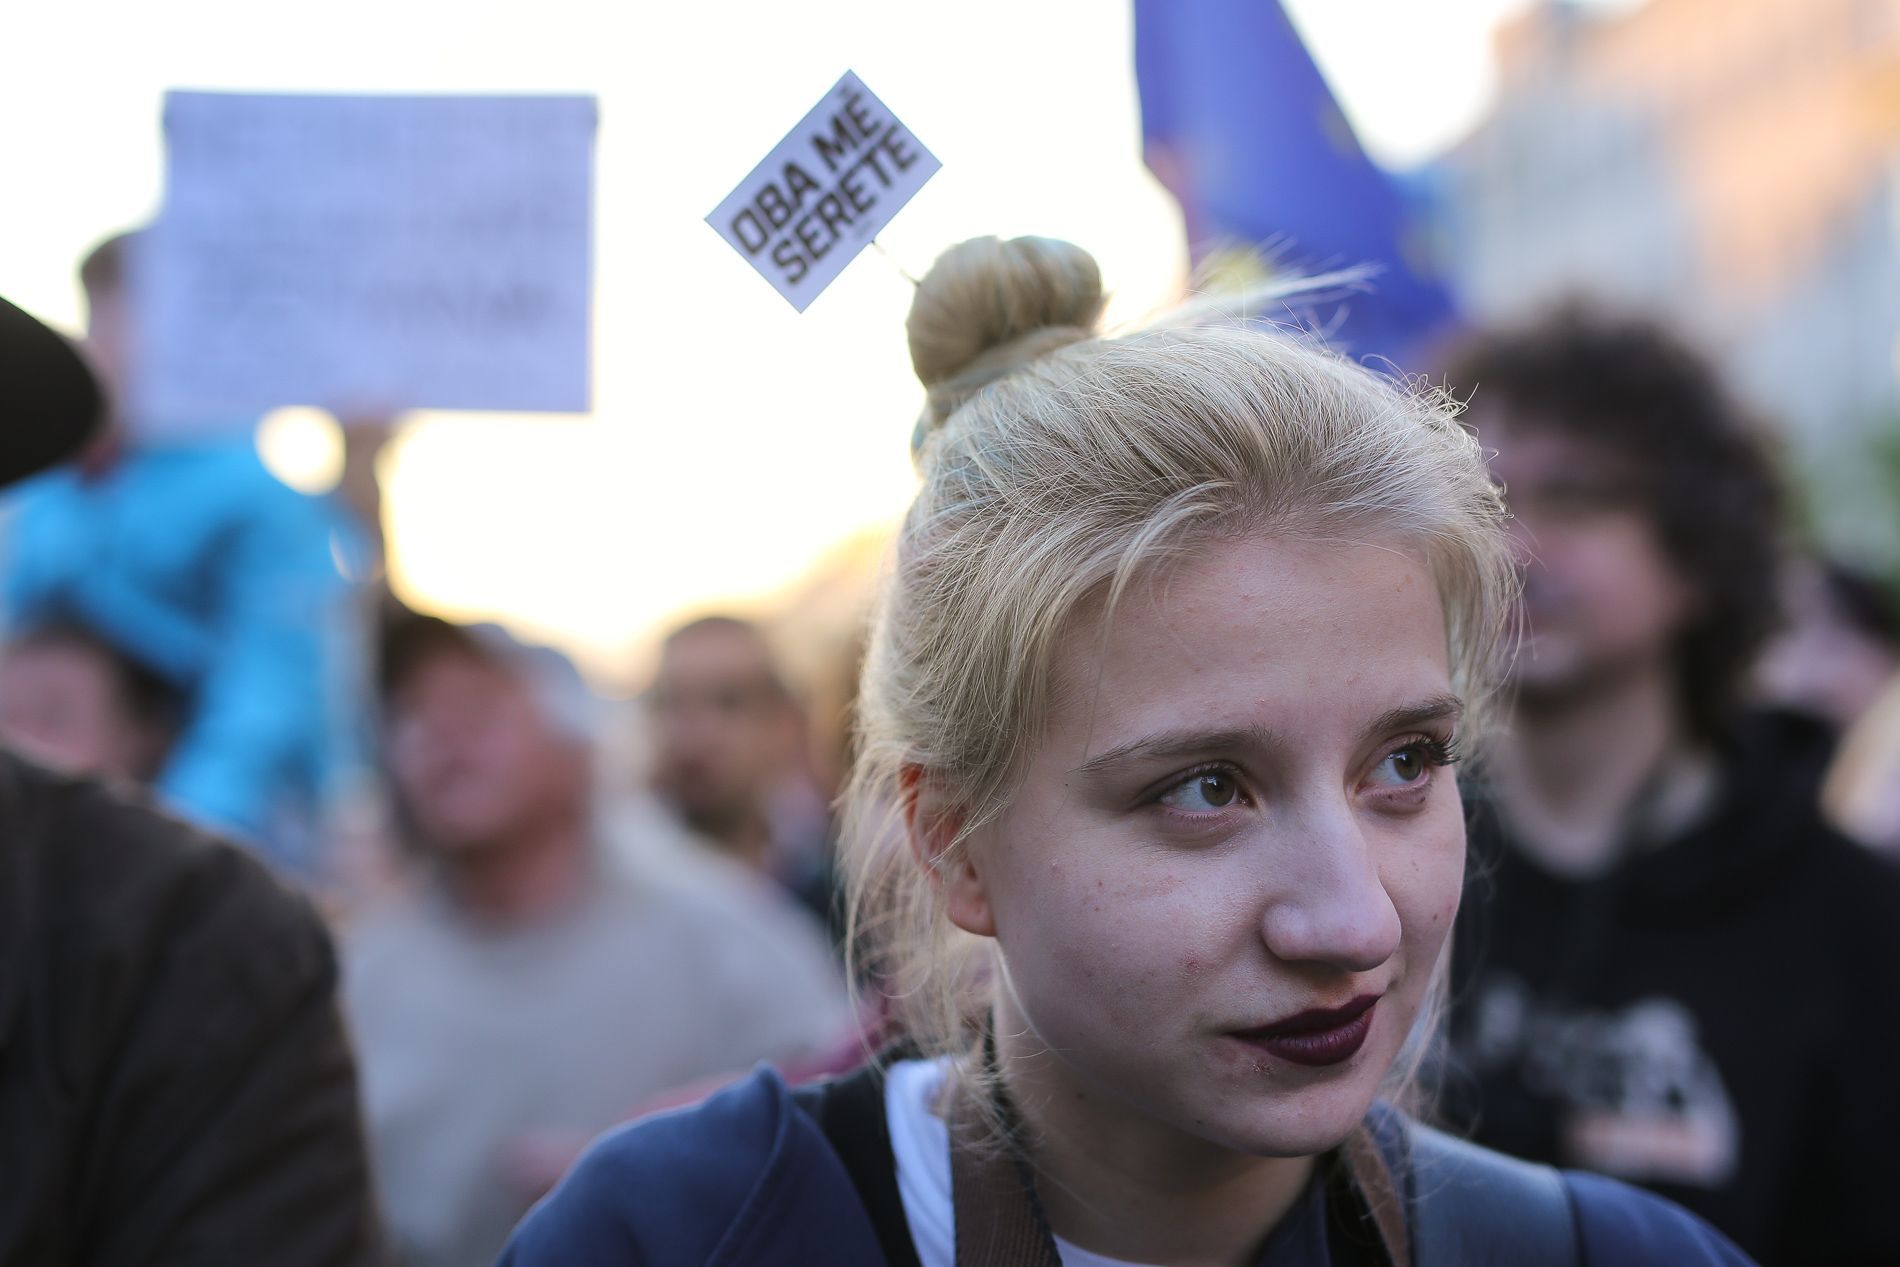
x=60 y=705
x=1601 y=599
x=473 y=758
x=723 y=731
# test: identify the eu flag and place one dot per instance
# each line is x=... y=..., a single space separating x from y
x=1241 y=128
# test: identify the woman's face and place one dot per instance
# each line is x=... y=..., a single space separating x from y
x=1240 y=815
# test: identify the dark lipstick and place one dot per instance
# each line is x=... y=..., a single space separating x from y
x=1320 y=1036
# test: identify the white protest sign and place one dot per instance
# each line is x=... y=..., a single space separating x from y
x=366 y=254
x=823 y=194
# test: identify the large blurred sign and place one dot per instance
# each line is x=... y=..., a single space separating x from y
x=823 y=194
x=367 y=254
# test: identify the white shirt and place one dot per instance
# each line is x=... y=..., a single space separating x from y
x=920 y=1142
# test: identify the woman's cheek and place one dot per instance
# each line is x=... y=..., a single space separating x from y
x=1427 y=884
x=1110 y=945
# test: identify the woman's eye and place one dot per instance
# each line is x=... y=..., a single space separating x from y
x=1210 y=790
x=1404 y=768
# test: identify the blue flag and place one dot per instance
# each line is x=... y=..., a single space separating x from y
x=1241 y=128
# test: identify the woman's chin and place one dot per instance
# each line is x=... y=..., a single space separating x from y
x=1270 y=1120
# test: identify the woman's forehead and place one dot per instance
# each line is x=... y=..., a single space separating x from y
x=1259 y=631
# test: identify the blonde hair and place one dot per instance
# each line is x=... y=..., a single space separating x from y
x=1057 y=466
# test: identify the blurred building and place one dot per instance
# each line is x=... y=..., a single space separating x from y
x=1732 y=164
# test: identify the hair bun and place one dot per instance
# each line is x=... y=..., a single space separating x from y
x=989 y=306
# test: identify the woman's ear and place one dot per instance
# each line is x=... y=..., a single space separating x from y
x=932 y=822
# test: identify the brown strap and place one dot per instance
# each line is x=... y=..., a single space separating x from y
x=1371 y=1173
x=998 y=1222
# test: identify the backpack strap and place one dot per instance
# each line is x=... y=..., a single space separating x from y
x=1473 y=1206
x=1375 y=1191
x=850 y=1112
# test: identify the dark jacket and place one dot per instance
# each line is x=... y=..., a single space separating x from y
x=749 y=1178
x=175 y=1085
x=1715 y=1018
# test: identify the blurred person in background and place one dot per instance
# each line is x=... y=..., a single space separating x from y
x=731 y=757
x=74 y=703
x=1838 y=658
x=1862 y=793
x=539 y=985
x=175 y=1082
x=1670 y=968
x=191 y=558
x=1840 y=646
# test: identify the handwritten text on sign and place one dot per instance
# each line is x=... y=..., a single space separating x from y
x=368 y=254
x=832 y=183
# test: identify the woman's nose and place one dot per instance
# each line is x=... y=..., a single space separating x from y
x=1330 y=906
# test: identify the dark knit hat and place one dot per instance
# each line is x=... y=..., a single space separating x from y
x=50 y=403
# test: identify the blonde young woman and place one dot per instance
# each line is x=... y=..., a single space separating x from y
x=1157 y=836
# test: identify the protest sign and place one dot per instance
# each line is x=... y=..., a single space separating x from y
x=823 y=194
x=366 y=254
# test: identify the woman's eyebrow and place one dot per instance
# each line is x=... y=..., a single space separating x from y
x=1412 y=716
x=1179 y=743
x=1174 y=744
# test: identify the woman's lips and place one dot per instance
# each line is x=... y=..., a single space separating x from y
x=1322 y=1036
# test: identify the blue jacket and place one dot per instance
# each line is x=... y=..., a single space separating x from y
x=749 y=1178
x=202 y=566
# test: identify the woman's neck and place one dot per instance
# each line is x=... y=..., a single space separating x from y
x=1116 y=1182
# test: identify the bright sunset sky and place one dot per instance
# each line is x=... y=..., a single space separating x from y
x=732 y=440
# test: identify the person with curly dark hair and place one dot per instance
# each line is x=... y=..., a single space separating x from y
x=1667 y=957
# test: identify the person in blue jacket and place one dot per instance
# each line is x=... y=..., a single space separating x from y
x=1154 y=839
x=193 y=559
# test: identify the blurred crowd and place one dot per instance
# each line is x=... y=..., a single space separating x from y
x=553 y=913
x=1689 y=819
x=528 y=956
